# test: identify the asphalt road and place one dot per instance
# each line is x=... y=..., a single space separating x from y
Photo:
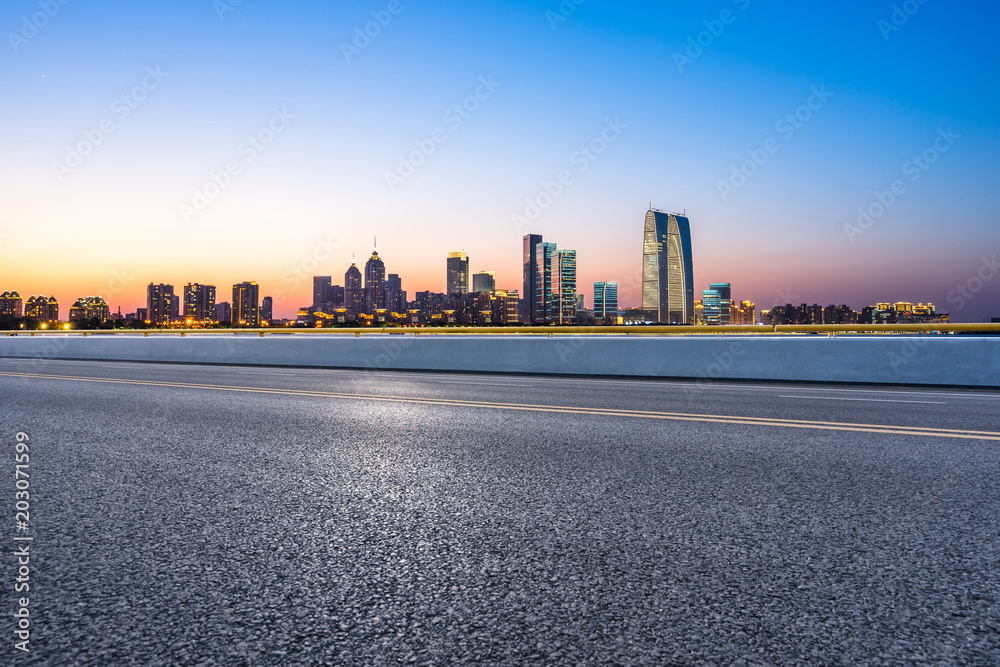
x=197 y=515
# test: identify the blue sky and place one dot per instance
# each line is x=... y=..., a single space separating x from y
x=559 y=75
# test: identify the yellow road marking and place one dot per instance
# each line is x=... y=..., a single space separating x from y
x=564 y=409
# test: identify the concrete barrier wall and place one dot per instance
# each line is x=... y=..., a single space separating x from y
x=968 y=361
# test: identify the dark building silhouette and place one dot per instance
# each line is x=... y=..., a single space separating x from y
x=529 y=313
x=354 y=300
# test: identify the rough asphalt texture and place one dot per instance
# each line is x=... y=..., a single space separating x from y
x=181 y=526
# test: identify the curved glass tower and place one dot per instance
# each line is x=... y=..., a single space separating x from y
x=667 y=271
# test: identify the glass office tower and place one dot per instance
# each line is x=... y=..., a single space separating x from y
x=529 y=314
x=458 y=273
x=605 y=300
x=718 y=302
x=564 y=287
x=667 y=271
x=544 y=302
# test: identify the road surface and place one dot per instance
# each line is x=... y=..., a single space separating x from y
x=223 y=515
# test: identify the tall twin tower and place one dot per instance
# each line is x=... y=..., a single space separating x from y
x=667 y=269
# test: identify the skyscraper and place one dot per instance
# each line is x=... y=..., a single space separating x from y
x=223 y=313
x=717 y=302
x=354 y=301
x=374 y=284
x=266 y=310
x=484 y=281
x=545 y=304
x=246 y=305
x=395 y=297
x=458 y=273
x=667 y=268
x=159 y=303
x=564 y=287
x=321 y=289
x=199 y=302
x=530 y=309
x=606 y=301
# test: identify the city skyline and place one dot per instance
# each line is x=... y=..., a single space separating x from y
x=819 y=178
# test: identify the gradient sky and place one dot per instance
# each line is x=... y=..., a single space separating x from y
x=318 y=193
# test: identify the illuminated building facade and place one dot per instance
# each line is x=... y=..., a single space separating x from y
x=266 y=310
x=246 y=305
x=89 y=307
x=42 y=308
x=564 y=287
x=529 y=313
x=374 y=284
x=667 y=268
x=10 y=305
x=606 y=302
x=159 y=303
x=717 y=304
x=457 y=278
x=199 y=302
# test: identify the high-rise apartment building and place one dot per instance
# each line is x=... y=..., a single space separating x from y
x=10 y=305
x=457 y=277
x=89 y=307
x=266 y=310
x=246 y=305
x=159 y=303
x=564 y=287
x=667 y=268
x=354 y=299
x=606 y=302
x=42 y=308
x=223 y=312
x=505 y=307
x=529 y=310
x=747 y=313
x=374 y=284
x=199 y=302
x=484 y=281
